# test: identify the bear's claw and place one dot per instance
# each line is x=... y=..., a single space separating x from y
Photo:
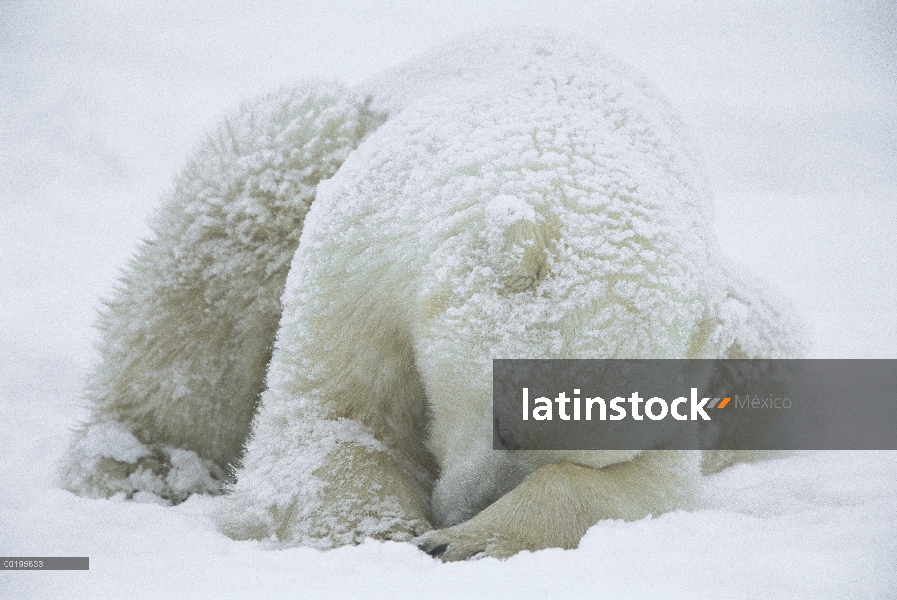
x=449 y=545
x=434 y=551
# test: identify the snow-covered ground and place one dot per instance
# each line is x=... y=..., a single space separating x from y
x=794 y=104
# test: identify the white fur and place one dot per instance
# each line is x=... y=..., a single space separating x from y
x=533 y=200
x=526 y=197
x=187 y=336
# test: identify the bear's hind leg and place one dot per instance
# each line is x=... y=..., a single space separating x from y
x=337 y=451
x=187 y=336
x=318 y=478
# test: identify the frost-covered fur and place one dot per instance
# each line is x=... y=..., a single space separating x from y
x=526 y=197
x=188 y=335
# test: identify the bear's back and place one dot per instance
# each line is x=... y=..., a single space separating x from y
x=525 y=177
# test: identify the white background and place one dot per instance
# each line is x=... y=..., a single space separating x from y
x=793 y=103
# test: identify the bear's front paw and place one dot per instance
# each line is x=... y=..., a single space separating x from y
x=106 y=459
x=459 y=543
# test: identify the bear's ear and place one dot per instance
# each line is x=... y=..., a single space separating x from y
x=749 y=320
x=519 y=241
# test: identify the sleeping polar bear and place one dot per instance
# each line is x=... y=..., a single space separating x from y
x=511 y=195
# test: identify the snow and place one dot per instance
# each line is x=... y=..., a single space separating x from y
x=793 y=106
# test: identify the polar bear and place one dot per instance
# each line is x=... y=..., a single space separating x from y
x=510 y=195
